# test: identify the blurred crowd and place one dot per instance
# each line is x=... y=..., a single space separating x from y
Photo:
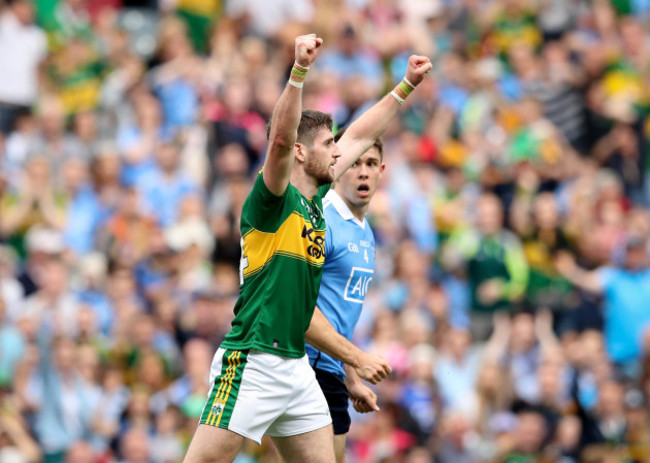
x=512 y=288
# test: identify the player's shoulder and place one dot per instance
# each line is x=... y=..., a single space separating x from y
x=260 y=191
x=265 y=211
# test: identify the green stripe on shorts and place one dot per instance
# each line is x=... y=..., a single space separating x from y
x=220 y=404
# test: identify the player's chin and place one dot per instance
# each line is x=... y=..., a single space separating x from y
x=326 y=179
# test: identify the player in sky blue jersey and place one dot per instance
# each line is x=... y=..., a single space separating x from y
x=347 y=274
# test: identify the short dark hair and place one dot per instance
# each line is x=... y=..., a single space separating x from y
x=311 y=122
x=379 y=143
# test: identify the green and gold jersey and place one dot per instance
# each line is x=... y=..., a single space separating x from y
x=283 y=251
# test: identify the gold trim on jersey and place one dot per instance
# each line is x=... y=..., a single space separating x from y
x=296 y=238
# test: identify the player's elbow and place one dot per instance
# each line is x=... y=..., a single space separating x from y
x=282 y=140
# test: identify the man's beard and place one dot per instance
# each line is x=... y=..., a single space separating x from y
x=315 y=170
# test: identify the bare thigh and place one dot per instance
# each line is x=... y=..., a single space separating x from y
x=213 y=445
x=311 y=447
x=339 y=447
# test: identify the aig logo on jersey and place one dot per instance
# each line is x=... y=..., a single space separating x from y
x=358 y=284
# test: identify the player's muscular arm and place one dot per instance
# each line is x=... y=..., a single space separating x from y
x=322 y=335
x=363 y=132
x=285 y=121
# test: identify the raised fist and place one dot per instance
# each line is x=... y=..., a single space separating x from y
x=307 y=49
x=418 y=66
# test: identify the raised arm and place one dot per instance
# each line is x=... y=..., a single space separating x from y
x=322 y=335
x=363 y=132
x=585 y=279
x=286 y=118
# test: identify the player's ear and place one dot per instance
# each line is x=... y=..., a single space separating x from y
x=299 y=150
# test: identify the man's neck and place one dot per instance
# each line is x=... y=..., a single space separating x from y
x=358 y=211
x=304 y=183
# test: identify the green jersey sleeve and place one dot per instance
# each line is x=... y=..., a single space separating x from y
x=264 y=210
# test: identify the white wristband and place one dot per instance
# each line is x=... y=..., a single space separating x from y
x=408 y=82
x=296 y=84
x=399 y=99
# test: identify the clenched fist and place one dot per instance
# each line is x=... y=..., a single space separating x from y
x=418 y=66
x=373 y=368
x=307 y=49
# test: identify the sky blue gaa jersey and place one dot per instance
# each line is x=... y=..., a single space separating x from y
x=347 y=274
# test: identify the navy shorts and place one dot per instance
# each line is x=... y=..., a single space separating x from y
x=336 y=394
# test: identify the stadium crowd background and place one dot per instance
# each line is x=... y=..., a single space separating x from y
x=129 y=140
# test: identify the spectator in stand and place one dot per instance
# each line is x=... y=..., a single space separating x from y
x=135 y=447
x=543 y=237
x=33 y=202
x=625 y=289
x=85 y=134
x=24 y=46
x=64 y=402
x=53 y=141
x=530 y=434
x=189 y=390
x=138 y=139
x=54 y=306
x=174 y=81
x=165 y=186
x=494 y=262
x=349 y=59
x=83 y=213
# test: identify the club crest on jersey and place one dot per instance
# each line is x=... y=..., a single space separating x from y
x=310 y=210
x=358 y=284
x=217 y=408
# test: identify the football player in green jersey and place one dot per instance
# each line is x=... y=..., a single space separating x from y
x=262 y=383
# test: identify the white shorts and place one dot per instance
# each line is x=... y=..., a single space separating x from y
x=255 y=394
